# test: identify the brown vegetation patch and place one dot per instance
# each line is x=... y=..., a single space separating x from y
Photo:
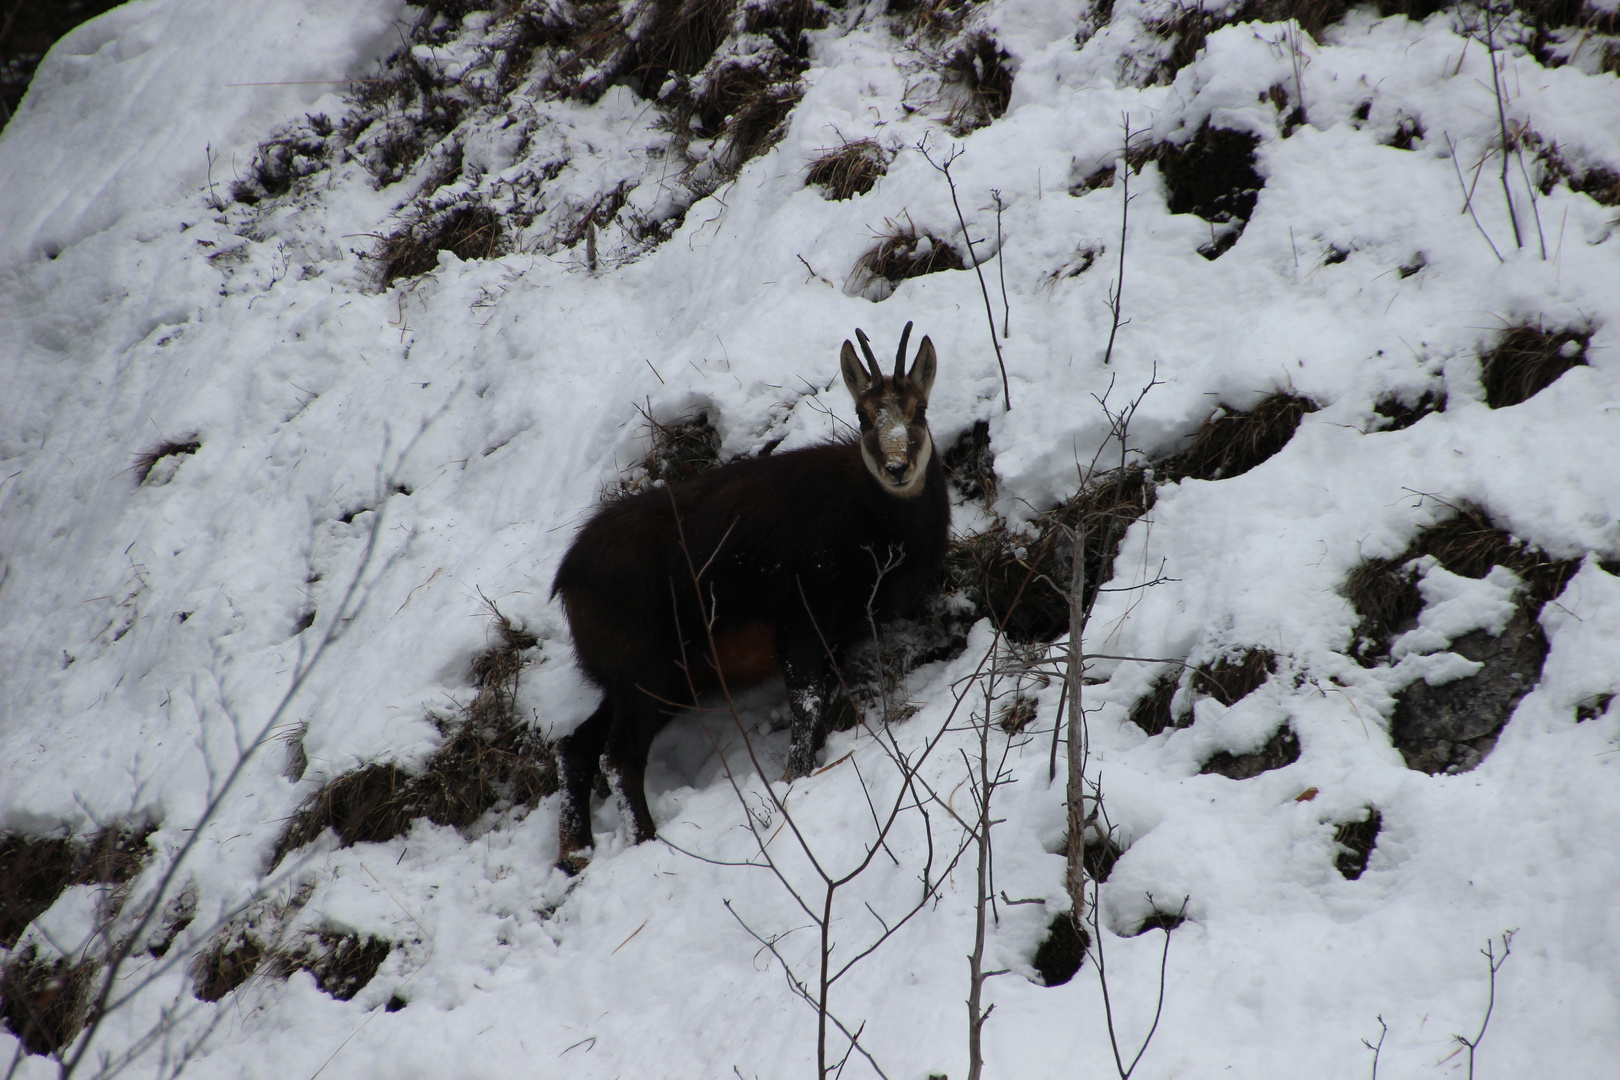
x=281 y=161
x=1233 y=678
x=1398 y=414
x=148 y=459
x=1230 y=443
x=902 y=252
x=342 y=963
x=489 y=759
x=44 y=1002
x=1160 y=920
x=1099 y=855
x=1281 y=749
x=34 y=872
x=1385 y=595
x=1016 y=715
x=971 y=463
x=1153 y=712
x=1188 y=26
x=1529 y=359
x=1062 y=951
x=849 y=170
x=255 y=944
x=978 y=83
x=1213 y=176
x=1021 y=581
x=468 y=232
x=1355 y=841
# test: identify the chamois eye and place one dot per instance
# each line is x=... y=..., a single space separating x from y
x=920 y=415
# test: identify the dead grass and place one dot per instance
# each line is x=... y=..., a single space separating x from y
x=1385 y=595
x=1153 y=712
x=1212 y=175
x=147 y=460
x=1398 y=414
x=978 y=83
x=1062 y=950
x=1021 y=580
x=44 y=1002
x=34 y=872
x=1233 y=678
x=971 y=464
x=849 y=170
x=489 y=759
x=1527 y=360
x=1355 y=840
x=902 y=252
x=1231 y=443
x=1016 y=715
x=467 y=232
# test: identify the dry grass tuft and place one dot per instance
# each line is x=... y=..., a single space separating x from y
x=256 y=944
x=1385 y=595
x=1355 y=840
x=467 y=232
x=1398 y=414
x=34 y=872
x=1529 y=359
x=900 y=253
x=1213 y=176
x=971 y=463
x=1016 y=715
x=1153 y=712
x=978 y=83
x=1233 y=678
x=147 y=460
x=849 y=170
x=490 y=759
x=1021 y=581
x=1062 y=950
x=44 y=1002
x=1231 y=443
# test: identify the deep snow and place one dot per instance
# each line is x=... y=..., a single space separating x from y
x=502 y=394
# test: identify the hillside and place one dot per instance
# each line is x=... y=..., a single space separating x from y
x=325 y=325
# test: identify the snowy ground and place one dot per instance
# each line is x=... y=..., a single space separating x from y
x=440 y=439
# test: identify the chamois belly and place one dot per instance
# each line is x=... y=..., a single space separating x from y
x=746 y=655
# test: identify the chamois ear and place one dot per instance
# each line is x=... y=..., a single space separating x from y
x=922 y=368
x=856 y=377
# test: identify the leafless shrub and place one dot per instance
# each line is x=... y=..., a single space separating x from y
x=849 y=170
x=1527 y=360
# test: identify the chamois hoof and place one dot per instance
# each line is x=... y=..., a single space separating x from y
x=574 y=863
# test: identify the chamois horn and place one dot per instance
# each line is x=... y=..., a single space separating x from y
x=900 y=355
x=871 y=361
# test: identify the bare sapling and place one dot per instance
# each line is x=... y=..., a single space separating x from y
x=1494 y=960
x=118 y=938
x=944 y=167
x=819 y=899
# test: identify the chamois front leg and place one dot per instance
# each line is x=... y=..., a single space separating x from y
x=807 y=673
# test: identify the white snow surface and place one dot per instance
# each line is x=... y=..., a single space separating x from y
x=438 y=442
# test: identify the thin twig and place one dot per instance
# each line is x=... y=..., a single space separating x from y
x=945 y=168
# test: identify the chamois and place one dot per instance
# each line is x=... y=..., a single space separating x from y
x=766 y=564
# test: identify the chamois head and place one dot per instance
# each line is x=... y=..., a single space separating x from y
x=895 y=441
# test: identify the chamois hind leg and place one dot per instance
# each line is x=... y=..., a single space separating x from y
x=807 y=672
x=624 y=760
x=578 y=754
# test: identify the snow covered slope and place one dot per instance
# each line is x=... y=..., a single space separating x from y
x=296 y=383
